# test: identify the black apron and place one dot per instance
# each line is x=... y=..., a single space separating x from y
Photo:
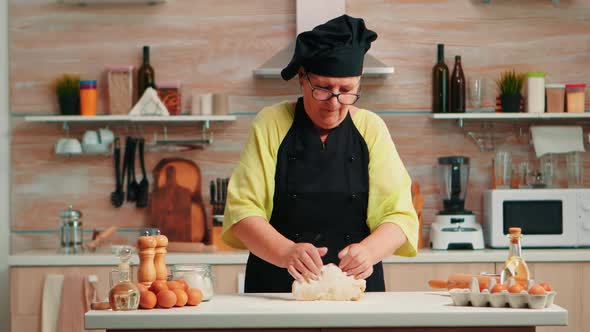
x=321 y=197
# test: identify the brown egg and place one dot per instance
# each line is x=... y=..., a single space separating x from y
x=184 y=284
x=142 y=287
x=547 y=286
x=498 y=288
x=516 y=288
x=174 y=285
x=147 y=300
x=166 y=299
x=195 y=296
x=537 y=290
x=181 y=297
x=158 y=286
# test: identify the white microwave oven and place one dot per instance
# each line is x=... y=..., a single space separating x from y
x=547 y=217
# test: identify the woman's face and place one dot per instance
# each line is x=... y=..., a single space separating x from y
x=330 y=113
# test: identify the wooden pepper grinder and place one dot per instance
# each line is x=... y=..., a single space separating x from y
x=147 y=271
x=160 y=260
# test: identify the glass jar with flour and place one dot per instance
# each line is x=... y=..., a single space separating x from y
x=196 y=276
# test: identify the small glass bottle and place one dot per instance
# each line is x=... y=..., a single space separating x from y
x=515 y=266
x=124 y=295
x=88 y=97
x=146 y=76
x=457 y=88
x=440 y=83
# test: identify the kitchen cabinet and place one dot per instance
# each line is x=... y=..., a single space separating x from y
x=568 y=279
x=226 y=278
x=414 y=277
x=26 y=289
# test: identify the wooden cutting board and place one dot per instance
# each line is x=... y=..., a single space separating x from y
x=176 y=204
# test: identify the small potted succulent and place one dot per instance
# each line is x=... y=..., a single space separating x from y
x=67 y=90
x=509 y=85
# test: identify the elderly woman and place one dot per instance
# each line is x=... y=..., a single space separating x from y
x=319 y=180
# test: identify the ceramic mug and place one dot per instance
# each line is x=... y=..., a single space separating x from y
x=68 y=146
x=91 y=137
x=106 y=136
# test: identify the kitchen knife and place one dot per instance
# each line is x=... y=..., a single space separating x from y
x=218 y=199
x=223 y=194
x=212 y=196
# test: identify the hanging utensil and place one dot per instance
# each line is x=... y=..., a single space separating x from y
x=132 y=185
x=144 y=186
x=124 y=171
x=117 y=196
x=224 y=183
x=212 y=197
x=218 y=198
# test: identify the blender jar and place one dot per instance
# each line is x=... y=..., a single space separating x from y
x=453 y=174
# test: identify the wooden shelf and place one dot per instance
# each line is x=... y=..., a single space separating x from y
x=510 y=116
x=112 y=2
x=128 y=118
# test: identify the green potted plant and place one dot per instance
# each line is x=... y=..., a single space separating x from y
x=67 y=90
x=509 y=85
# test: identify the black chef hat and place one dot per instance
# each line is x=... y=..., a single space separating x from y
x=336 y=48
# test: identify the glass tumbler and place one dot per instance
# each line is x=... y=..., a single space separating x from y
x=575 y=178
x=525 y=174
x=503 y=169
x=548 y=169
x=475 y=92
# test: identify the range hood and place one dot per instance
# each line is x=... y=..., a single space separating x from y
x=311 y=13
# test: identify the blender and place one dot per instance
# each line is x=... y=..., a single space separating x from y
x=455 y=227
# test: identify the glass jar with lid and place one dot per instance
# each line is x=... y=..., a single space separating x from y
x=575 y=95
x=196 y=276
x=555 y=97
x=535 y=92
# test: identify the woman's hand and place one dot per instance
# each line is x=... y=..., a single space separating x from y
x=304 y=261
x=356 y=260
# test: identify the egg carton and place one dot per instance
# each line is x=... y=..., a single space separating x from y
x=474 y=297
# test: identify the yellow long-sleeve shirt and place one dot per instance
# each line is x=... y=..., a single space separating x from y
x=251 y=188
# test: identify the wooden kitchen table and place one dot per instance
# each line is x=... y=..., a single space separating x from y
x=390 y=311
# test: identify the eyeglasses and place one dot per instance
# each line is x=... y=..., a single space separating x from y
x=321 y=94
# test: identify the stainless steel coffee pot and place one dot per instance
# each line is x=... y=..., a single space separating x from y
x=70 y=231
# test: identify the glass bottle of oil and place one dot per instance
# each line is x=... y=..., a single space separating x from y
x=515 y=266
x=124 y=295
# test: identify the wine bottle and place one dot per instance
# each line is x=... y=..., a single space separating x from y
x=440 y=83
x=146 y=77
x=457 y=103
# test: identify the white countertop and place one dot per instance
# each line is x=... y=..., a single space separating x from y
x=279 y=310
x=52 y=258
